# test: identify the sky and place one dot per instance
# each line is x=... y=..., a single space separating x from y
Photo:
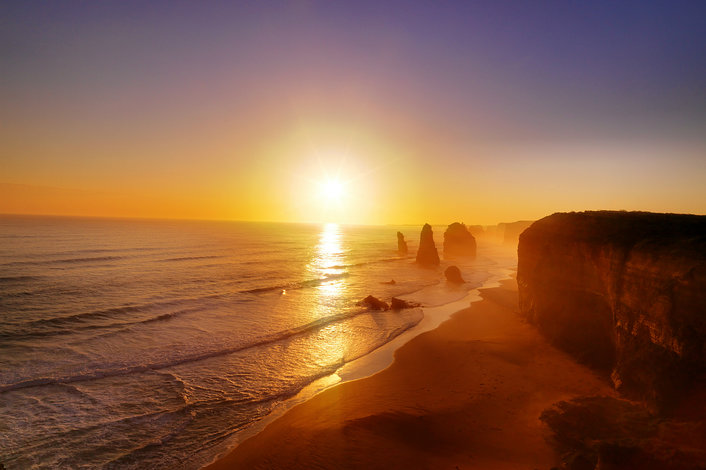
x=412 y=111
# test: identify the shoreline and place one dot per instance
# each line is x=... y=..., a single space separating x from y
x=371 y=363
x=341 y=421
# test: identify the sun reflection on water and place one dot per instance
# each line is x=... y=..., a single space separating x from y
x=329 y=252
x=327 y=262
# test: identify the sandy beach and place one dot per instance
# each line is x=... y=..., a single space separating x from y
x=463 y=396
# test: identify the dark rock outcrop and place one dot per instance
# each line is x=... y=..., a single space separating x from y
x=609 y=433
x=399 y=304
x=622 y=291
x=458 y=241
x=373 y=303
x=453 y=274
x=427 y=254
x=401 y=244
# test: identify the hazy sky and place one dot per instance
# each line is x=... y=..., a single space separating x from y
x=425 y=111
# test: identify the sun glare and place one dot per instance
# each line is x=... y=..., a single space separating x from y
x=332 y=189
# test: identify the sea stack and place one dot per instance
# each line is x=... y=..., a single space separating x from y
x=401 y=244
x=458 y=241
x=427 y=254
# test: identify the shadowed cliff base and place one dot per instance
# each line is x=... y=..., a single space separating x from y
x=466 y=395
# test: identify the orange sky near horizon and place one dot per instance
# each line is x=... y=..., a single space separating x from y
x=243 y=112
x=383 y=184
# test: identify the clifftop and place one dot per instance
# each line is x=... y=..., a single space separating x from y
x=621 y=229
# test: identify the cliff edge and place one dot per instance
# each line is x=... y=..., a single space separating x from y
x=622 y=291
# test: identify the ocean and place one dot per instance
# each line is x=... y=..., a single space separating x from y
x=154 y=344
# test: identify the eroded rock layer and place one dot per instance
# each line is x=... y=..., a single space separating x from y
x=622 y=291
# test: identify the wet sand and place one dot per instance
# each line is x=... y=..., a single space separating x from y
x=466 y=395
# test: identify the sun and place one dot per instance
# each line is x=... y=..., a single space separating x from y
x=332 y=189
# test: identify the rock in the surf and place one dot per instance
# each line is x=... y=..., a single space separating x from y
x=401 y=244
x=373 y=303
x=399 y=304
x=427 y=254
x=458 y=241
x=453 y=274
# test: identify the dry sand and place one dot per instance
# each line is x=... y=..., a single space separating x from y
x=466 y=395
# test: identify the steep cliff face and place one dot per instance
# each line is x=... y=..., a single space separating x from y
x=622 y=291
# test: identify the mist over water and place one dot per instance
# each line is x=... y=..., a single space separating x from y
x=147 y=344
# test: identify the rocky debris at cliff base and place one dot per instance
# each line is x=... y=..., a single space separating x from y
x=453 y=274
x=427 y=254
x=458 y=241
x=373 y=303
x=611 y=433
x=399 y=304
x=401 y=244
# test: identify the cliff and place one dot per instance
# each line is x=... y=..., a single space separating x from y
x=512 y=230
x=427 y=254
x=622 y=291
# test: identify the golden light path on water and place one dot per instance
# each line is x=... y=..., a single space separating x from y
x=327 y=261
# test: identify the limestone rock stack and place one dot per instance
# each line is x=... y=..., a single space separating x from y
x=458 y=241
x=427 y=254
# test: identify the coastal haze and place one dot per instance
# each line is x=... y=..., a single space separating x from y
x=353 y=235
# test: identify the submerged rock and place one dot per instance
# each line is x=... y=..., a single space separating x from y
x=399 y=304
x=458 y=241
x=401 y=244
x=453 y=274
x=427 y=254
x=373 y=303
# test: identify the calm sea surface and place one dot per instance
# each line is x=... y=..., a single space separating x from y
x=148 y=344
